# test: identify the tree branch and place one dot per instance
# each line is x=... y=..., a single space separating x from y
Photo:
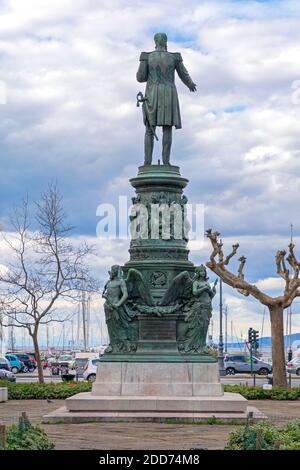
x=236 y=281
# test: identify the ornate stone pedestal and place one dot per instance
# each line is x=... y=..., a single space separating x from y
x=157 y=309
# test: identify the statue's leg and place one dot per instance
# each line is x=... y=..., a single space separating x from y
x=166 y=144
x=149 y=143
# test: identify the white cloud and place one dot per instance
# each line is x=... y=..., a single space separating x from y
x=271 y=284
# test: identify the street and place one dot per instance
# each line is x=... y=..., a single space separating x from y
x=238 y=379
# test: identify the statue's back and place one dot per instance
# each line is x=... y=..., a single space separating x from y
x=161 y=67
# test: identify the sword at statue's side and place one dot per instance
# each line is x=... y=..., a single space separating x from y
x=140 y=98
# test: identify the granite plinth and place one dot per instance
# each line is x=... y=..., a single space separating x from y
x=157 y=379
x=156 y=392
x=229 y=402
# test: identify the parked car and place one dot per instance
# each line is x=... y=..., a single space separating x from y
x=15 y=364
x=293 y=366
x=242 y=364
x=28 y=361
x=90 y=369
x=50 y=360
x=80 y=363
x=4 y=363
x=66 y=360
x=7 y=375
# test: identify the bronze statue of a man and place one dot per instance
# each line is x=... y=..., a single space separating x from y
x=161 y=106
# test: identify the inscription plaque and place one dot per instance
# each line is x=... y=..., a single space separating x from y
x=158 y=329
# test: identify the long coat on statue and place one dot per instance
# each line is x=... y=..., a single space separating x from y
x=157 y=68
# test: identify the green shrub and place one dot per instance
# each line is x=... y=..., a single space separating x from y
x=212 y=420
x=258 y=393
x=264 y=436
x=25 y=436
x=32 y=391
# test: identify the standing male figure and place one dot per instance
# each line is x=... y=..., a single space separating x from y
x=161 y=106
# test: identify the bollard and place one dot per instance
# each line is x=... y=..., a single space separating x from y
x=250 y=418
x=277 y=445
x=2 y=436
x=3 y=394
x=258 y=439
x=23 y=420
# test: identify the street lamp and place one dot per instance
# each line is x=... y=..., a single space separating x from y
x=226 y=333
x=290 y=351
x=221 y=344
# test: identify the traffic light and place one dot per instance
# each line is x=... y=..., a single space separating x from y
x=250 y=335
x=255 y=339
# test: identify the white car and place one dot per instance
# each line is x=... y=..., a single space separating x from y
x=7 y=375
x=293 y=366
x=66 y=359
x=90 y=369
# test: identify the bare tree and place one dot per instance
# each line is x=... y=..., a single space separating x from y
x=276 y=305
x=44 y=266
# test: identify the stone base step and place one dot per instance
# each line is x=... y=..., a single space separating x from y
x=62 y=415
x=228 y=403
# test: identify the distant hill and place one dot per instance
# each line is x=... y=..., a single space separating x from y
x=266 y=341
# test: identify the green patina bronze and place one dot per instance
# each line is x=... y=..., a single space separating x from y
x=198 y=311
x=158 y=305
x=161 y=105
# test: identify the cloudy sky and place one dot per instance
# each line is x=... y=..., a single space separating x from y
x=68 y=114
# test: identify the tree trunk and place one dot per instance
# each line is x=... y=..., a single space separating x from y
x=278 y=356
x=38 y=357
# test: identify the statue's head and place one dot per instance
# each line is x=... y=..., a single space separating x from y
x=115 y=271
x=201 y=273
x=160 y=40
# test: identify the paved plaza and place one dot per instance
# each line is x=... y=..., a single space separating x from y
x=136 y=435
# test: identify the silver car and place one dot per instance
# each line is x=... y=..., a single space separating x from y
x=241 y=363
x=7 y=375
x=293 y=367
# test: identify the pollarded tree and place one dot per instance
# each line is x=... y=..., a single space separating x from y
x=276 y=305
x=44 y=266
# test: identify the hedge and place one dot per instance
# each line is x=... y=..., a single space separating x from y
x=61 y=391
x=258 y=393
x=36 y=391
x=265 y=436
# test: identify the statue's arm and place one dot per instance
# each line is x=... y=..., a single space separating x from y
x=124 y=291
x=199 y=290
x=104 y=291
x=183 y=73
x=142 y=73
